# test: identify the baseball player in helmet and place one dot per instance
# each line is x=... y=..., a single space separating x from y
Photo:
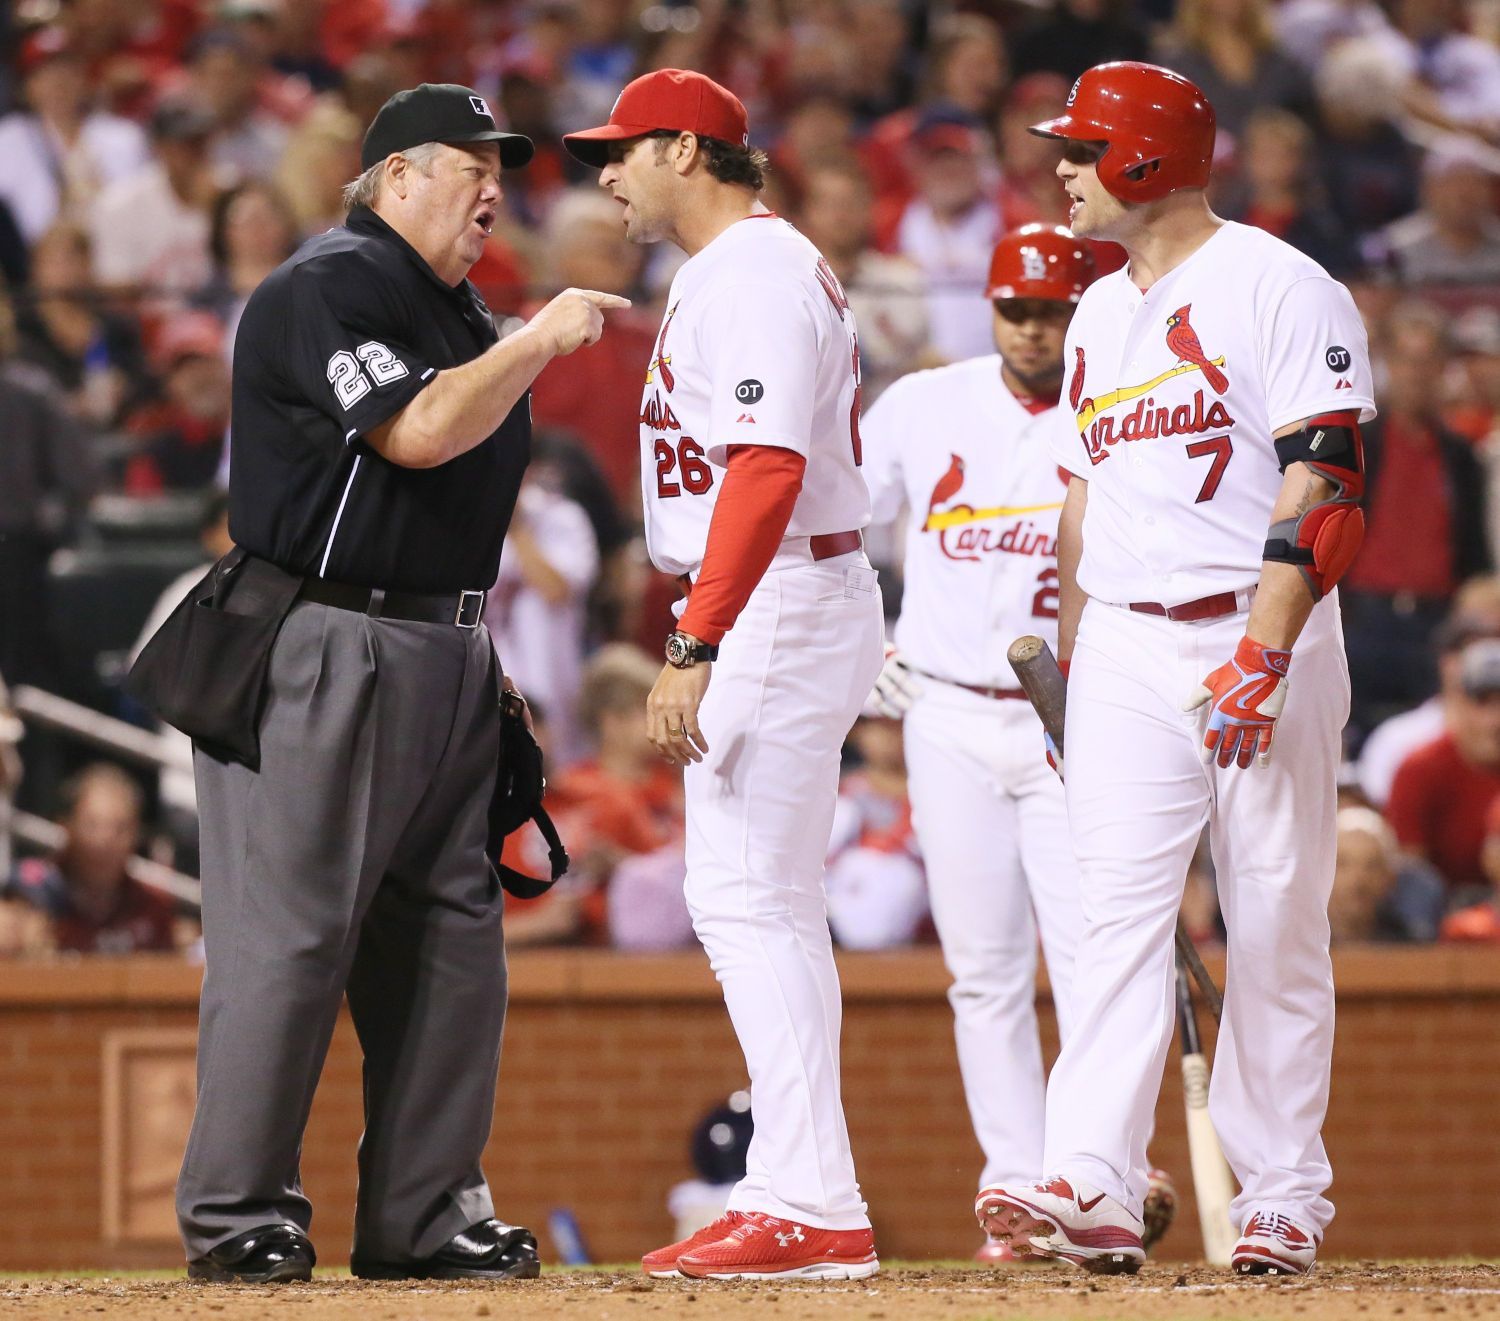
x=965 y=449
x=1215 y=388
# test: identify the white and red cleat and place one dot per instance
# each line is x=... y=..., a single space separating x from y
x=763 y=1247
x=1159 y=1209
x=997 y=1252
x=1054 y=1219
x=1274 y=1244
x=662 y=1264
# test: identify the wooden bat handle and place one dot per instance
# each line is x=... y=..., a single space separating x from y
x=1042 y=681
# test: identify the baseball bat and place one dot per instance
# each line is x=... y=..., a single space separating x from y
x=1042 y=681
x=1212 y=1183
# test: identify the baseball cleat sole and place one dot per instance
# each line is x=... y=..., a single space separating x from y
x=1033 y=1235
x=1265 y=1265
x=817 y=1270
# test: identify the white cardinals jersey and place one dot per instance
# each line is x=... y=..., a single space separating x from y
x=758 y=347
x=1170 y=402
x=975 y=469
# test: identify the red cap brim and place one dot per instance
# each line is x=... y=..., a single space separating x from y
x=1065 y=126
x=591 y=145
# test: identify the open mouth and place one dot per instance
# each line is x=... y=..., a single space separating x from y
x=485 y=220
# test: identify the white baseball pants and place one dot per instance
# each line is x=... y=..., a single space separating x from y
x=993 y=829
x=788 y=684
x=1138 y=795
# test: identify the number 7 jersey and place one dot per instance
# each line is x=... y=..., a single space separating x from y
x=757 y=347
x=1171 y=397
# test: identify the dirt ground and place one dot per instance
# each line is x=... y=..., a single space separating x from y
x=1360 y=1291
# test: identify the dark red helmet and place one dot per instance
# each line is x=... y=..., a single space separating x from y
x=1041 y=261
x=1157 y=127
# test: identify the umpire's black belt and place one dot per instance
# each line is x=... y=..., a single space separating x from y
x=465 y=609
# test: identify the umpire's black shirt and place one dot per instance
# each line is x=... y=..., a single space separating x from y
x=337 y=340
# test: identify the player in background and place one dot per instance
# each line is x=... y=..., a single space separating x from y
x=965 y=448
x=1215 y=388
x=752 y=495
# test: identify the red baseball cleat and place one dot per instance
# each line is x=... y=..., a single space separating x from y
x=1054 y=1219
x=662 y=1264
x=763 y=1247
x=1273 y=1244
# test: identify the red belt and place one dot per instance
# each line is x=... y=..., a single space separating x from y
x=999 y=694
x=824 y=546
x=1205 y=607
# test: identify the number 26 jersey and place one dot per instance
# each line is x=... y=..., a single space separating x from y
x=757 y=347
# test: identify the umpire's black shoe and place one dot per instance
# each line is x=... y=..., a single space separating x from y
x=271 y=1254
x=490 y=1250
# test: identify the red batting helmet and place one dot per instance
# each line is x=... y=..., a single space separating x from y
x=1157 y=127
x=1040 y=261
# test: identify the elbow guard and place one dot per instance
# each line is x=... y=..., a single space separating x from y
x=1322 y=541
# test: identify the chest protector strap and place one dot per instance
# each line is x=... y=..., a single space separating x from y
x=1323 y=540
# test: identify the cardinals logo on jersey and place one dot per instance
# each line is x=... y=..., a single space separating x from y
x=1075 y=386
x=661 y=361
x=969 y=540
x=1182 y=339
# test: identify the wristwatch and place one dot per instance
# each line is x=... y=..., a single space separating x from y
x=684 y=652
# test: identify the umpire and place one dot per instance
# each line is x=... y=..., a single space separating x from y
x=378 y=438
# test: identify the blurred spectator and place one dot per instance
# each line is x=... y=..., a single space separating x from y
x=1474 y=408
x=964 y=77
x=321 y=156
x=181 y=436
x=1475 y=613
x=876 y=887
x=1450 y=78
x=595 y=393
x=231 y=80
x=1228 y=48
x=1078 y=34
x=1442 y=794
x=1424 y=509
x=84 y=889
x=622 y=803
x=1376 y=895
x=1307 y=30
x=1480 y=920
x=1030 y=190
x=948 y=231
x=1276 y=191
x=91 y=353
x=1367 y=167
x=150 y=231
x=251 y=232
x=886 y=293
x=1455 y=237
x=47 y=475
x=880 y=37
x=535 y=610
x=57 y=154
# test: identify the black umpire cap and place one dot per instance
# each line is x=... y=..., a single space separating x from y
x=439 y=112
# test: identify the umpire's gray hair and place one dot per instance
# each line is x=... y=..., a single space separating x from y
x=364 y=190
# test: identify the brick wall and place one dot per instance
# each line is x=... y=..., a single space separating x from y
x=608 y=1062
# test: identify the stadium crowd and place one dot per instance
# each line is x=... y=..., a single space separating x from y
x=159 y=157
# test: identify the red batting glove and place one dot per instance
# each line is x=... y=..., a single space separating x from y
x=1247 y=696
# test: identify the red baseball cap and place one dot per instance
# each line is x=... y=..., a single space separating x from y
x=678 y=99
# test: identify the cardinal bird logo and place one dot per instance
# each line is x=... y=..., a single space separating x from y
x=947 y=485
x=662 y=361
x=1075 y=386
x=1182 y=339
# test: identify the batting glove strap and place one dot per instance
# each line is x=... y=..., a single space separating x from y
x=1247 y=695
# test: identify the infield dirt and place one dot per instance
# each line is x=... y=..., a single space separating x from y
x=1359 y=1291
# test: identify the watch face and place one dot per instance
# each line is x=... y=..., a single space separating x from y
x=677 y=651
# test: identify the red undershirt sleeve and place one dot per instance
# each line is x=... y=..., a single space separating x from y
x=760 y=488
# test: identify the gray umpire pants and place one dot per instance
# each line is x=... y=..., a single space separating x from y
x=353 y=861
